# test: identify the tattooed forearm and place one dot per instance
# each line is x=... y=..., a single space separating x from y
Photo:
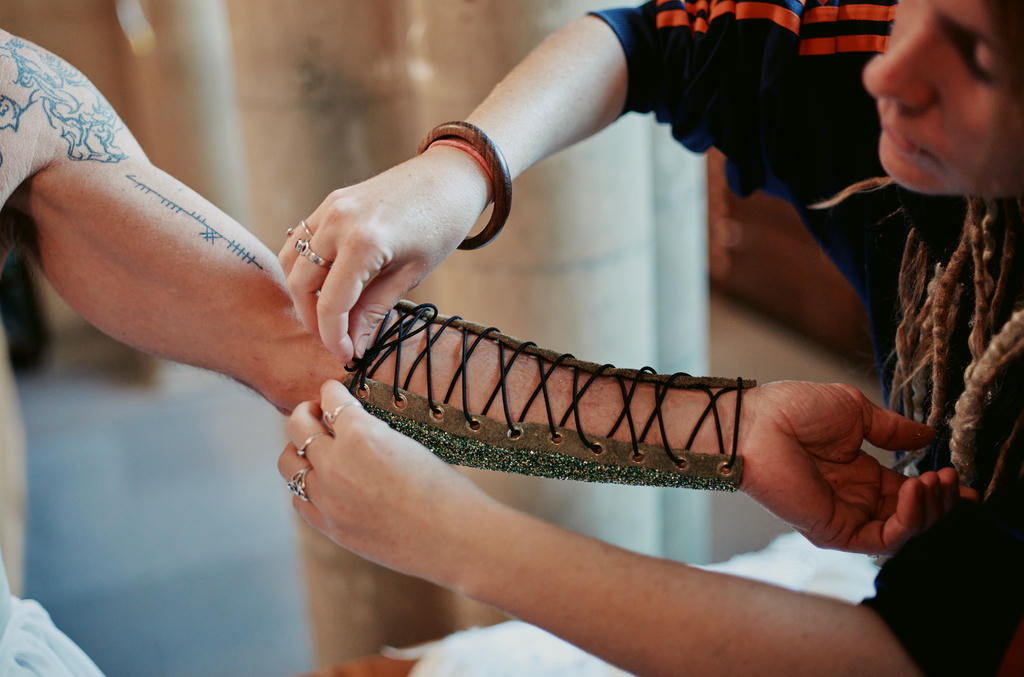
x=73 y=107
x=208 y=233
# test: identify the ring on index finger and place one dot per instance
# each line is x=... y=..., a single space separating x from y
x=301 y=451
x=302 y=224
x=332 y=416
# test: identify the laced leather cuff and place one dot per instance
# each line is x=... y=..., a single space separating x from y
x=550 y=450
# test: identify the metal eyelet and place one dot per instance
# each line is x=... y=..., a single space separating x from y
x=556 y=439
x=437 y=413
x=473 y=424
x=514 y=433
x=596 y=447
x=638 y=458
x=682 y=464
x=400 y=401
x=725 y=469
x=362 y=392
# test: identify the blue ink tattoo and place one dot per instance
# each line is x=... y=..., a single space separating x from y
x=73 y=107
x=209 y=233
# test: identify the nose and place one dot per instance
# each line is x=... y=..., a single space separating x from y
x=903 y=75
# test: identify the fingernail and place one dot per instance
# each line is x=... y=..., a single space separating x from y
x=342 y=350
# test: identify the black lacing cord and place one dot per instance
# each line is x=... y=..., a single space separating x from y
x=660 y=391
x=464 y=371
x=574 y=408
x=736 y=425
x=627 y=413
x=503 y=384
x=712 y=409
x=383 y=346
x=388 y=342
x=543 y=387
x=426 y=352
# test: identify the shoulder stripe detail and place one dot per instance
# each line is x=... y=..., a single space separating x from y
x=700 y=17
x=843 y=43
x=860 y=12
x=820 y=29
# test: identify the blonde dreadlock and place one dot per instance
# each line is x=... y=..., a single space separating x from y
x=925 y=340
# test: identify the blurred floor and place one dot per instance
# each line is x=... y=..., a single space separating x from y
x=161 y=537
x=160 y=534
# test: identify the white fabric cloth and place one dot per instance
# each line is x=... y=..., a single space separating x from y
x=509 y=649
x=30 y=644
x=791 y=561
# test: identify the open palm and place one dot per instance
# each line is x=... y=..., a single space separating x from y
x=801 y=444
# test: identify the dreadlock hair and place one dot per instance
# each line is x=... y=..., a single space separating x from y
x=960 y=341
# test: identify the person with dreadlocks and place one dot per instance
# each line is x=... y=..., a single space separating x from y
x=873 y=118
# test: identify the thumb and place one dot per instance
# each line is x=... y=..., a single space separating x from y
x=375 y=302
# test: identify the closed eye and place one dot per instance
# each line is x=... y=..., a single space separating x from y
x=975 y=51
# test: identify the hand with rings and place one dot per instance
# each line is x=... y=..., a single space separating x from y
x=371 y=489
x=366 y=245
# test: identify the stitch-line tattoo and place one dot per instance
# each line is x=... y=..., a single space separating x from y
x=209 y=233
x=73 y=107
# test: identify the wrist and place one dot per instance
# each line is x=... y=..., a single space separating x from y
x=461 y=168
x=478 y=146
x=706 y=422
x=473 y=154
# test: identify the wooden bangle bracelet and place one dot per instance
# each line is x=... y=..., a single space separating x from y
x=501 y=181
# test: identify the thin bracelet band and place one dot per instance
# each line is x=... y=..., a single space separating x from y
x=501 y=178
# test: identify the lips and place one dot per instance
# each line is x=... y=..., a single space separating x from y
x=901 y=141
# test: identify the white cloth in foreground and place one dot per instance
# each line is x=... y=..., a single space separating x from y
x=514 y=648
x=511 y=649
x=30 y=644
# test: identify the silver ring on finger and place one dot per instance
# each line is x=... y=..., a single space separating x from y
x=297 y=483
x=332 y=416
x=302 y=247
x=302 y=224
x=301 y=451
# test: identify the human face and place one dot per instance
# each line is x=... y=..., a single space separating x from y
x=941 y=97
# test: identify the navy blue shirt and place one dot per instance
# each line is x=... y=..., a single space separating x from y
x=776 y=86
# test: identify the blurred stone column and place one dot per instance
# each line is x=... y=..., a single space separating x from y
x=681 y=227
x=325 y=102
x=182 y=81
x=338 y=91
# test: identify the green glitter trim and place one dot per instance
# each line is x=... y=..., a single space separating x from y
x=471 y=453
